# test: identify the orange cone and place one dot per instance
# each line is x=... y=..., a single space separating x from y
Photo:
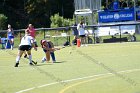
x=78 y=42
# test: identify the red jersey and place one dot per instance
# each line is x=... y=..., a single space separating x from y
x=32 y=32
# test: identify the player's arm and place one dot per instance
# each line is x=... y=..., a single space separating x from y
x=56 y=48
x=52 y=47
x=33 y=44
x=45 y=46
x=78 y=26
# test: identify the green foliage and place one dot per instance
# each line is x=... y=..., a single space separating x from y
x=58 y=21
x=68 y=22
x=37 y=12
x=3 y=20
x=96 y=17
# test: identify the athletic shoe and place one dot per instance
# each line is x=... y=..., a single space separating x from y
x=25 y=56
x=63 y=46
x=54 y=61
x=31 y=64
x=43 y=59
x=16 y=65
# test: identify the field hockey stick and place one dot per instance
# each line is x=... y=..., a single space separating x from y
x=31 y=60
x=59 y=48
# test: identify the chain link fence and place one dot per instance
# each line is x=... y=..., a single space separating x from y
x=61 y=35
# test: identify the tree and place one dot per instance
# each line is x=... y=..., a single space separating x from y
x=14 y=10
x=58 y=21
x=38 y=12
x=3 y=21
x=68 y=8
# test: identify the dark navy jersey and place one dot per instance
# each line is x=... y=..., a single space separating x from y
x=49 y=46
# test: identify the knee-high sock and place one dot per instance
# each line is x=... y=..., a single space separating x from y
x=17 y=59
x=44 y=58
x=30 y=58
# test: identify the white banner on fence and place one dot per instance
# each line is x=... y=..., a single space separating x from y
x=114 y=30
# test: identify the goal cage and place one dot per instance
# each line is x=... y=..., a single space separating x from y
x=86 y=9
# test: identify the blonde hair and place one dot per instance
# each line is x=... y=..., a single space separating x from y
x=9 y=26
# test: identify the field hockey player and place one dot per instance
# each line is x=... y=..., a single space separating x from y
x=27 y=42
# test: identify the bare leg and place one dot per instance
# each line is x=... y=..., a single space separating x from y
x=11 y=43
x=47 y=56
x=82 y=40
x=18 y=57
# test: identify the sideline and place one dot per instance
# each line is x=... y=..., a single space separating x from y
x=70 y=80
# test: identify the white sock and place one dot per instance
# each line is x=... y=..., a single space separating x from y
x=30 y=58
x=11 y=46
x=44 y=58
x=17 y=59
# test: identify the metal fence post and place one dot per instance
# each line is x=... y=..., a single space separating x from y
x=44 y=32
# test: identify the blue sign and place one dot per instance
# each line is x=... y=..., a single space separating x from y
x=138 y=15
x=112 y=16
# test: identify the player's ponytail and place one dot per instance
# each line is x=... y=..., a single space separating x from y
x=41 y=42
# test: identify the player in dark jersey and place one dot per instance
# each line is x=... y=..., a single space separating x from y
x=49 y=49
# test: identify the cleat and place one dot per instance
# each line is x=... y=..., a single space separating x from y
x=25 y=56
x=43 y=59
x=31 y=64
x=16 y=65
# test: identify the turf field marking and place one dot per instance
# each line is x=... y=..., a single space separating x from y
x=79 y=83
x=94 y=79
x=70 y=80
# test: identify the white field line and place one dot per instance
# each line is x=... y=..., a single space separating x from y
x=70 y=80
